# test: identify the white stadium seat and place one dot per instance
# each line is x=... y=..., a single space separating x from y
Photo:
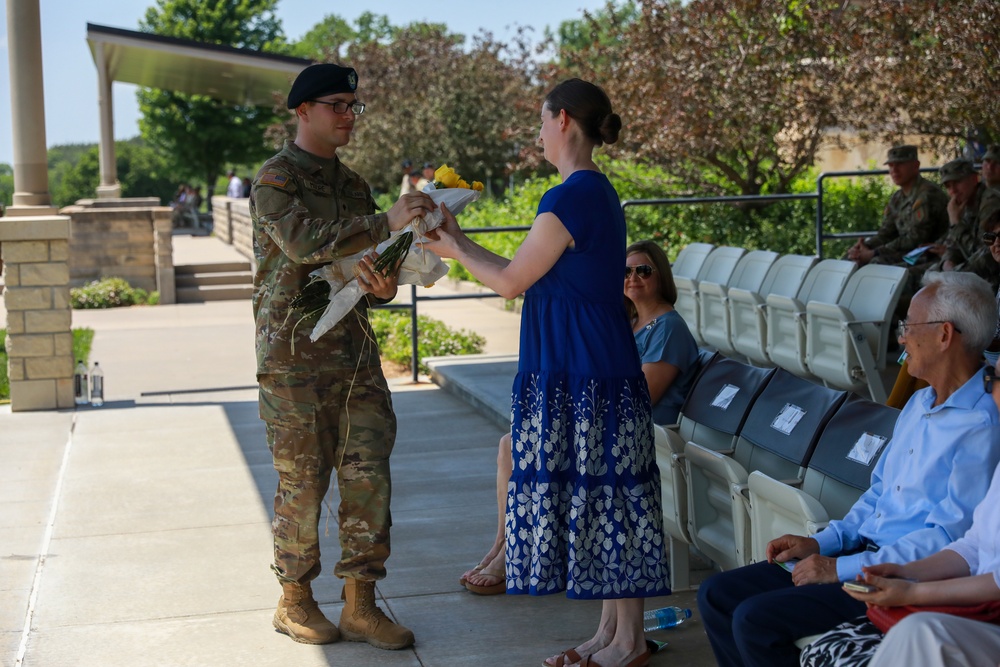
x=748 y=309
x=839 y=471
x=847 y=341
x=718 y=267
x=714 y=412
x=786 y=316
x=778 y=438
x=713 y=306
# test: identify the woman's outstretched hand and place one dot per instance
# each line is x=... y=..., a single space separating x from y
x=445 y=239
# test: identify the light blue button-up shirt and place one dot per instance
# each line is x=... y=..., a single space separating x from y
x=927 y=484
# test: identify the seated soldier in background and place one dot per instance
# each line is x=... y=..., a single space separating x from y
x=970 y=202
x=924 y=489
x=915 y=214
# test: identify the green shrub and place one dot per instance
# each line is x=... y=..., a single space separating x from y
x=82 y=339
x=392 y=331
x=849 y=205
x=110 y=293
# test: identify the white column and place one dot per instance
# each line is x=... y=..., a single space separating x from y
x=34 y=243
x=31 y=169
x=109 y=188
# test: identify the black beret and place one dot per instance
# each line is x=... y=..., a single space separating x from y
x=323 y=79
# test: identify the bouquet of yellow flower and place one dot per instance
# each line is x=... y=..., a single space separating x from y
x=402 y=251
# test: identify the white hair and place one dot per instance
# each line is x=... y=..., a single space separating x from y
x=967 y=301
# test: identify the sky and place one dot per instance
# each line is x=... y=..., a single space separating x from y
x=70 y=77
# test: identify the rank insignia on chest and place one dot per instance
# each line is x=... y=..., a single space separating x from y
x=279 y=180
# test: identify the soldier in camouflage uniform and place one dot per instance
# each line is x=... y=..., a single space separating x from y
x=971 y=202
x=326 y=405
x=915 y=215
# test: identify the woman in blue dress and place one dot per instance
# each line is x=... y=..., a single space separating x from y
x=583 y=502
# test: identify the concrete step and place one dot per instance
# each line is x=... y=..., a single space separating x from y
x=206 y=293
x=219 y=278
x=211 y=267
x=213 y=281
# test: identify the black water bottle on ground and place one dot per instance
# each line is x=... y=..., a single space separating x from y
x=96 y=386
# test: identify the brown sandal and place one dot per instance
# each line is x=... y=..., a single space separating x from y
x=567 y=657
x=489 y=589
x=641 y=660
x=476 y=570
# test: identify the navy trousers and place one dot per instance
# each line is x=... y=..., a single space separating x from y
x=753 y=615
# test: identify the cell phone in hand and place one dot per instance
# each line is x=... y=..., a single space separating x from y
x=859 y=587
x=788 y=565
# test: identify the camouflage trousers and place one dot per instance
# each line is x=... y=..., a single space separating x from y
x=317 y=424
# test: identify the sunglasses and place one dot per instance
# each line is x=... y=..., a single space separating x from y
x=642 y=270
x=990 y=237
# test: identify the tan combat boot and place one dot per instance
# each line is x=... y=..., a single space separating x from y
x=363 y=621
x=299 y=617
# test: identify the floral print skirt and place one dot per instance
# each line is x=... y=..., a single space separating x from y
x=583 y=502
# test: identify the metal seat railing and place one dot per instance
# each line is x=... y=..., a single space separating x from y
x=821 y=235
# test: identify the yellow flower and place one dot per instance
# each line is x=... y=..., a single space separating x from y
x=462 y=184
x=477 y=186
x=446 y=176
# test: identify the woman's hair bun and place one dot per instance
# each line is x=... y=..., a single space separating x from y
x=610 y=127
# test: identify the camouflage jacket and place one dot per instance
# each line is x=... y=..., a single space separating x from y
x=964 y=238
x=306 y=212
x=910 y=220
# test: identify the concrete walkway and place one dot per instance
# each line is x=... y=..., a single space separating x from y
x=138 y=533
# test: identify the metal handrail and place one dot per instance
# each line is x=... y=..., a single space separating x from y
x=412 y=305
x=821 y=235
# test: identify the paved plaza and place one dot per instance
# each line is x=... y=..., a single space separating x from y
x=138 y=533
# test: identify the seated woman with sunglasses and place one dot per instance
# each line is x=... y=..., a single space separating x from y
x=669 y=356
x=667 y=349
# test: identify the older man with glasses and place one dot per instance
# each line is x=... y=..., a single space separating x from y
x=325 y=403
x=924 y=488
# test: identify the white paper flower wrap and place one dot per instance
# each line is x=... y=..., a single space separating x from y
x=420 y=267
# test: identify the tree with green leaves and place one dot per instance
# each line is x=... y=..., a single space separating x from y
x=429 y=98
x=142 y=171
x=927 y=68
x=731 y=96
x=6 y=186
x=200 y=134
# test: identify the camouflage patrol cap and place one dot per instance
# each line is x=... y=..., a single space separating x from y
x=322 y=79
x=992 y=153
x=905 y=153
x=956 y=170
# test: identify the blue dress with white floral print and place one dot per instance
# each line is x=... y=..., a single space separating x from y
x=583 y=502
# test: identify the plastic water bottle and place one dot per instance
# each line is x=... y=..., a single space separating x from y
x=96 y=386
x=667 y=617
x=81 y=384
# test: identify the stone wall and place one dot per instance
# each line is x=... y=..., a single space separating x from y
x=124 y=240
x=39 y=341
x=231 y=223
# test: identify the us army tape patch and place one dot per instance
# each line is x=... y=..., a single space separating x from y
x=278 y=180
